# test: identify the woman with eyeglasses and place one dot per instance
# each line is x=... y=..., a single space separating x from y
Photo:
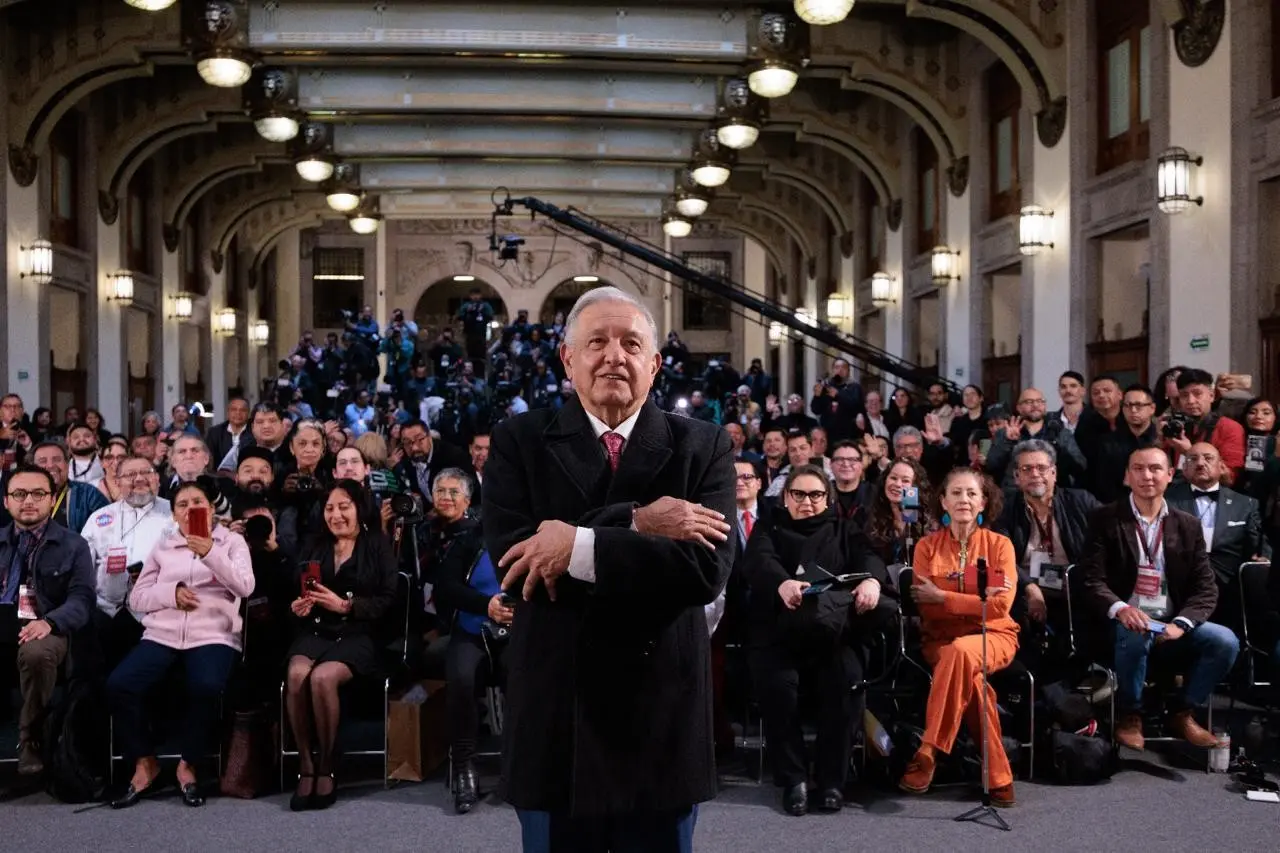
x=892 y=530
x=116 y=449
x=802 y=636
x=951 y=613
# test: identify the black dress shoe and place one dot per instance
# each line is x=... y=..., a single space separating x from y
x=132 y=796
x=795 y=800
x=191 y=795
x=323 y=801
x=832 y=800
x=465 y=789
x=302 y=802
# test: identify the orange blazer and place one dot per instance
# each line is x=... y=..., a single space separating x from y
x=937 y=558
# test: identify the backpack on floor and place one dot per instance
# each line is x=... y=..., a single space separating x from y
x=76 y=745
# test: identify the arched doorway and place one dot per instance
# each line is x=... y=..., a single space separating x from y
x=440 y=302
x=564 y=294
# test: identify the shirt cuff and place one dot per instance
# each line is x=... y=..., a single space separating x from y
x=1116 y=608
x=582 y=561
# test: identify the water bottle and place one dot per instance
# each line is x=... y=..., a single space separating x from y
x=1220 y=755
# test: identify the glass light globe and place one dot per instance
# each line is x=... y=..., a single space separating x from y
x=151 y=5
x=737 y=135
x=674 y=226
x=773 y=81
x=692 y=206
x=823 y=12
x=710 y=175
x=276 y=128
x=314 y=169
x=362 y=224
x=225 y=72
x=343 y=201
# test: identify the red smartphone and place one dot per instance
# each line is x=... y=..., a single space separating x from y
x=198 y=522
x=310 y=575
x=995 y=577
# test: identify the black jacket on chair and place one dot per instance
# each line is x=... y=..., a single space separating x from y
x=609 y=687
x=1071 y=509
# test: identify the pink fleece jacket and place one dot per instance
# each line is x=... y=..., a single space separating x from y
x=220 y=580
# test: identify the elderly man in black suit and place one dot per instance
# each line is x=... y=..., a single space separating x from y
x=1231 y=522
x=609 y=517
x=1146 y=570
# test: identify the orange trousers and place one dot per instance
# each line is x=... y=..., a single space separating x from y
x=956 y=695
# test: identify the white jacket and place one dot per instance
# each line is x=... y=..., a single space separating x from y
x=138 y=531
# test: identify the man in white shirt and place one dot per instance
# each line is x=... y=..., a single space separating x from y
x=83 y=465
x=121 y=536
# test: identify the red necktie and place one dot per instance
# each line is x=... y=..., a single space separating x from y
x=613 y=447
x=747 y=523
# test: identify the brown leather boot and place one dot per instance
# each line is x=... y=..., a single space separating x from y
x=1129 y=732
x=1002 y=797
x=1184 y=725
x=919 y=775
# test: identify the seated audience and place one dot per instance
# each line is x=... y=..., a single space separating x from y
x=73 y=502
x=46 y=577
x=1146 y=570
x=853 y=494
x=341 y=627
x=951 y=624
x=892 y=532
x=791 y=647
x=188 y=595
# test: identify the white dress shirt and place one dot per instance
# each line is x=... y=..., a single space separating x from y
x=582 y=562
x=1207 y=512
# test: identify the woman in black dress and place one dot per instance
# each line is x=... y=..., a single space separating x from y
x=343 y=625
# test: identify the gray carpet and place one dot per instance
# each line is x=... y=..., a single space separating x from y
x=1149 y=806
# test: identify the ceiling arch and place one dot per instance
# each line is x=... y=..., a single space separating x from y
x=762 y=239
x=242 y=155
x=763 y=208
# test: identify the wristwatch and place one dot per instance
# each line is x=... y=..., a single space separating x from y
x=53 y=626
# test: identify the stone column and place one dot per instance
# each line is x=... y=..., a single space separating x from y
x=26 y=330
x=1046 y=277
x=755 y=330
x=955 y=301
x=107 y=384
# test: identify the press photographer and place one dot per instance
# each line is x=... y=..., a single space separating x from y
x=1195 y=421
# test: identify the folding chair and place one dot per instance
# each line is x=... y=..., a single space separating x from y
x=1253 y=592
x=400 y=665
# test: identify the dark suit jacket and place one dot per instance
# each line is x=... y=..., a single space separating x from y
x=1237 y=529
x=609 y=692
x=1071 y=509
x=1109 y=567
x=443 y=455
x=219 y=440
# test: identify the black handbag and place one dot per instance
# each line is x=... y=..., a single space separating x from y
x=818 y=622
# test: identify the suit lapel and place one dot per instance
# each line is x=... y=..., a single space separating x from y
x=1127 y=530
x=644 y=455
x=573 y=444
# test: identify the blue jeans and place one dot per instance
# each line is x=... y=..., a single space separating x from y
x=664 y=832
x=1207 y=653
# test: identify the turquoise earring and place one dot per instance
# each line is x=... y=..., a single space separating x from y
x=946 y=519
x=979 y=519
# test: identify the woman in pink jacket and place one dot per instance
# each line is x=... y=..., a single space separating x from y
x=188 y=595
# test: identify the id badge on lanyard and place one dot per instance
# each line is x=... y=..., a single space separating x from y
x=26 y=603
x=1150 y=587
x=117 y=559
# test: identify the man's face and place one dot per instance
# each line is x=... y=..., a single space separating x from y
x=1138 y=409
x=268 y=429
x=82 y=441
x=53 y=460
x=937 y=396
x=840 y=368
x=1105 y=395
x=795 y=405
x=350 y=465
x=697 y=400
x=1148 y=474
x=479 y=452
x=138 y=481
x=846 y=464
x=874 y=404
x=144 y=446
x=416 y=442
x=1196 y=400
x=1070 y=391
x=799 y=450
x=1031 y=406
x=362 y=399
x=189 y=458
x=748 y=484
x=254 y=476
x=11 y=410
x=1203 y=465
x=28 y=499
x=909 y=447
x=179 y=415
x=736 y=435
x=775 y=444
x=238 y=413
x=610 y=357
x=1035 y=475
x=818 y=441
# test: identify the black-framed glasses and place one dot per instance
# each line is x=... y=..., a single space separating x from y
x=845 y=460
x=21 y=495
x=800 y=496
x=746 y=478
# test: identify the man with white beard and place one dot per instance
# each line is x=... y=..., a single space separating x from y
x=121 y=536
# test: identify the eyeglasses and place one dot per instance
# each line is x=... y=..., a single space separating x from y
x=1034 y=469
x=134 y=475
x=1034 y=401
x=812 y=497
x=845 y=460
x=746 y=478
x=1137 y=407
x=447 y=493
x=21 y=495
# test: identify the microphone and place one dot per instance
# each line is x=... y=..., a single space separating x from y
x=982 y=578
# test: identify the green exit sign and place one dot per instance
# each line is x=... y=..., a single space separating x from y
x=1200 y=343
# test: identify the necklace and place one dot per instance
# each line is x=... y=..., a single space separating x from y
x=964 y=553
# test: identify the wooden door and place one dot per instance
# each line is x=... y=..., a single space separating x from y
x=193 y=391
x=1002 y=380
x=1126 y=360
x=1269 y=338
x=142 y=399
x=68 y=387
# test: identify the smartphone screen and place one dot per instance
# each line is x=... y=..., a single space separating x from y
x=995 y=578
x=984 y=446
x=198 y=522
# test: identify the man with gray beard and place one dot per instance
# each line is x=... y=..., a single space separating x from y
x=120 y=536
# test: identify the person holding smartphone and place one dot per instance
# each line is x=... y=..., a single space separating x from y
x=188 y=596
x=951 y=623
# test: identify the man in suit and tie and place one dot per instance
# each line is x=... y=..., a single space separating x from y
x=1146 y=570
x=611 y=520
x=1231 y=522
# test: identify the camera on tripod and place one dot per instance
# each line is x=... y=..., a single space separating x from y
x=408 y=507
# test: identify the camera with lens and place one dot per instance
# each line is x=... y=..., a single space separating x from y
x=1176 y=426
x=305 y=483
x=408 y=506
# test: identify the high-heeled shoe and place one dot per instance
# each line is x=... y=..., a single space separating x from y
x=301 y=802
x=323 y=801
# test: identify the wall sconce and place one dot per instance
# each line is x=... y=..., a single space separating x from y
x=946 y=266
x=260 y=333
x=224 y=322
x=837 y=308
x=182 y=305
x=120 y=288
x=1035 y=230
x=776 y=332
x=882 y=289
x=36 y=261
x=1175 y=170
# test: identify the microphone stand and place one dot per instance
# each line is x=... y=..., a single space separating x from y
x=986 y=810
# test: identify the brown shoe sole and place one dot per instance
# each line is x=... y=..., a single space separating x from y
x=903 y=786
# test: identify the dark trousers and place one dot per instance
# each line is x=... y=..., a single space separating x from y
x=779 y=674
x=663 y=832
x=207 y=670
x=117 y=635
x=464 y=662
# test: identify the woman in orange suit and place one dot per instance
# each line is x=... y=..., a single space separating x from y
x=951 y=622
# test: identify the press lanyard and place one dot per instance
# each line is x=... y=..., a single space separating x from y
x=58 y=503
x=1149 y=548
x=1045 y=531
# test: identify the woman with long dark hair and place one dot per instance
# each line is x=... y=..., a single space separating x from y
x=342 y=625
x=888 y=528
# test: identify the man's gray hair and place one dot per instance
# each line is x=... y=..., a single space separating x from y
x=609 y=294
x=186 y=436
x=463 y=478
x=907 y=432
x=1035 y=445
